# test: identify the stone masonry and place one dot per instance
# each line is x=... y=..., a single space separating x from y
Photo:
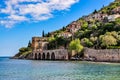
x=40 y=51
x=58 y=54
x=104 y=55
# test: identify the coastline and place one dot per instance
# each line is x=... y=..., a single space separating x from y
x=72 y=60
x=92 y=55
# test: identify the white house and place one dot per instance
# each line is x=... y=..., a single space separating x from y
x=113 y=17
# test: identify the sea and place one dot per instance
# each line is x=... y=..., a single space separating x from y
x=15 y=69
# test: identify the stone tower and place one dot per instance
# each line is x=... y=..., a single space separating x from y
x=39 y=43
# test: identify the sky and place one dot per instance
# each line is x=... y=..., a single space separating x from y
x=20 y=20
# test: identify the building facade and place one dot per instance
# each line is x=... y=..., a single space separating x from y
x=41 y=52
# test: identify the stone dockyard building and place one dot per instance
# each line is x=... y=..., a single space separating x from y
x=41 y=52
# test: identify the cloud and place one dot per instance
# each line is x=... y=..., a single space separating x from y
x=16 y=11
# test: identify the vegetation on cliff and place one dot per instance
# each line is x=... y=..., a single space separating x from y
x=98 y=33
x=24 y=51
x=100 y=36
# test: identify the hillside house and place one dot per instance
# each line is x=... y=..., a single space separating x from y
x=116 y=10
x=74 y=27
x=113 y=17
x=65 y=34
x=97 y=16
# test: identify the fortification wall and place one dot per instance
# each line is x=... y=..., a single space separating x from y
x=106 y=55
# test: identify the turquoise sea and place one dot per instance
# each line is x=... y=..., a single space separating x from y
x=11 y=69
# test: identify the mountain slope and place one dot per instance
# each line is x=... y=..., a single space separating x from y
x=101 y=29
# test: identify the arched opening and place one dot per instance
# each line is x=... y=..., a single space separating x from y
x=53 y=56
x=39 y=56
x=63 y=57
x=48 y=56
x=43 y=56
x=35 y=56
x=32 y=56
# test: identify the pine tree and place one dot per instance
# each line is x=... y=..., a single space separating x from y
x=95 y=11
x=48 y=34
x=63 y=28
x=43 y=34
x=29 y=44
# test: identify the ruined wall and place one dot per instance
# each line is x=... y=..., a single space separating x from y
x=108 y=55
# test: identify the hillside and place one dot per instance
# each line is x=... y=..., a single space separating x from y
x=99 y=30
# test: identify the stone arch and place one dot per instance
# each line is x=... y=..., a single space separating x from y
x=53 y=56
x=63 y=57
x=39 y=56
x=48 y=56
x=43 y=56
x=32 y=56
x=35 y=56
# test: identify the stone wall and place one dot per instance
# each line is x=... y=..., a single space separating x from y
x=105 y=55
x=58 y=54
x=39 y=43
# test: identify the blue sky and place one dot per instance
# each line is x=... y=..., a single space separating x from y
x=20 y=20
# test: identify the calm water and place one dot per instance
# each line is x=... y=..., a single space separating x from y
x=11 y=69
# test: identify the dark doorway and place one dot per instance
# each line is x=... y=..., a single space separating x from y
x=31 y=55
x=35 y=56
x=53 y=56
x=39 y=56
x=43 y=56
x=48 y=56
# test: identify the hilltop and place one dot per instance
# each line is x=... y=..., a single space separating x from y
x=99 y=30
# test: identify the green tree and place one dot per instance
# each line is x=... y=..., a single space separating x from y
x=108 y=26
x=108 y=40
x=50 y=39
x=52 y=43
x=117 y=21
x=63 y=29
x=86 y=42
x=29 y=44
x=24 y=49
x=94 y=27
x=95 y=11
x=93 y=39
x=76 y=46
x=84 y=24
